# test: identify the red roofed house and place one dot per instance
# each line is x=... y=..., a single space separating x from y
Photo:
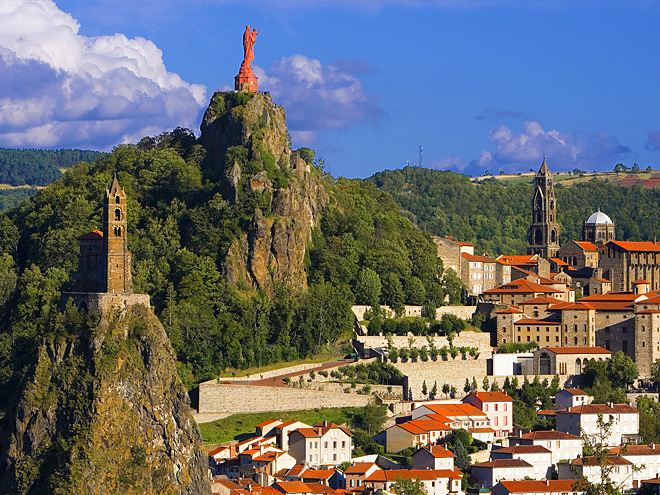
x=435 y=481
x=457 y=415
x=358 y=472
x=433 y=457
x=488 y=474
x=646 y=457
x=545 y=487
x=522 y=289
x=415 y=433
x=478 y=273
x=589 y=467
x=571 y=397
x=561 y=445
x=326 y=444
x=538 y=456
x=584 y=419
x=498 y=406
x=579 y=254
x=264 y=462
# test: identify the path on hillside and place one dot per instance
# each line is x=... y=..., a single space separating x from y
x=278 y=381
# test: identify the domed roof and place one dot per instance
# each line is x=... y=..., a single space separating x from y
x=599 y=218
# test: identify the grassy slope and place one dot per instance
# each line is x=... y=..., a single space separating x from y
x=240 y=426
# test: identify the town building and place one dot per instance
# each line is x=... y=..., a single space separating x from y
x=358 y=472
x=435 y=481
x=325 y=444
x=488 y=474
x=498 y=406
x=589 y=468
x=450 y=251
x=598 y=228
x=583 y=420
x=538 y=456
x=579 y=254
x=566 y=360
x=623 y=262
x=433 y=457
x=541 y=487
x=561 y=445
x=571 y=397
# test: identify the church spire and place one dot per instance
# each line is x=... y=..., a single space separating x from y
x=117 y=277
x=544 y=230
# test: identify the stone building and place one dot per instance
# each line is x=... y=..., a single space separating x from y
x=478 y=273
x=566 y=360
x=103 y=279
x=624 y=262
x=578 y=254
x=450 y=251
x=544 y=230
x=598 y=228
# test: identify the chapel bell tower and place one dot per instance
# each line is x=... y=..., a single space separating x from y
x=117 y=277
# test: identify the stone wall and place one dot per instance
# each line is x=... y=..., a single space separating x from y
x=105 y=301
x=453 y=371
x=480 y=340
x=463 y=312
x=217 y=397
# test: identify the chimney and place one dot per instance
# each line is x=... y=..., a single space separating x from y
x=325 y=424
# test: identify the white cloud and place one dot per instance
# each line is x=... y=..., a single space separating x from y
x=449 y=163
x=59 y=88
x=319 y=97
x=515 y=151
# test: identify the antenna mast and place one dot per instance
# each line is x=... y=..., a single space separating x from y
x=421 y=161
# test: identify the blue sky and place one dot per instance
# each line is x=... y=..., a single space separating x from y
x=482 y=85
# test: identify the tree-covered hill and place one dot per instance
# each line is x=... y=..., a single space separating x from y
x=189 y=208
x=38 y=167
x=496 y=216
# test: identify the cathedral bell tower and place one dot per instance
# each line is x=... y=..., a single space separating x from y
x=117 y=277
x=544 y=231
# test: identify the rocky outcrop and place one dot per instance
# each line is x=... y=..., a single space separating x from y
x=106 y=413
x=247 y=146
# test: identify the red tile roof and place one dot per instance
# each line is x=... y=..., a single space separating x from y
x=536 y=321
x=474 y=257
x=578 y=350
x=587 y=246
x=94 y=235
x=538 y=486
x=511 y=310
x=641 y=281
x=600 y=409
x=637 y=246
x=653 y=449
x=491 y=396
x=267 y=423
x=422 y=474
x=437 y=451
x=455 y=410
x=502 y=463
x=522 y=449
x=575 y=391
x=360 y=468
x=612 y=460
x=549 y=435
x=579 y=306
x=559 y=261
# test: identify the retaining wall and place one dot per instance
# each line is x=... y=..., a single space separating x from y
x=216 y=397
x=480 y=340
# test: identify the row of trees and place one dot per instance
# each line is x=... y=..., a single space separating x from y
x=38 y=167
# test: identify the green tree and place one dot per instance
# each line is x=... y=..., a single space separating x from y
x=373 y=417
x=425 y=390
x=467 y=387
x=434 y=390
x=367 y=288
x=445 y=389
x=415 y=291
x=621 y=370
x=408 y=486
x=486 y=384
x=655 y=373
x=392 y=293
x=453 y=286
x=462 y=458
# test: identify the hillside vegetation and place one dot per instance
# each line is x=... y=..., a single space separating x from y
x=38 y=167
x=496 y=216
x=182 y=224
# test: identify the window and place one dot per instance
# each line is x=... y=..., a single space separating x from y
x=496 y=418
x=505 y=421
x=504 y=406
x=343 y=444
x=117 y=214
x=325 y=445
x=334 y=457
x=117 y=200
x=496 y=406
x=334 y=444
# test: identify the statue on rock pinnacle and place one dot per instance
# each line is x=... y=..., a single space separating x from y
x=246 y=81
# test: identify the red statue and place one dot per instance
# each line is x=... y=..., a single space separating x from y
x=246 y=80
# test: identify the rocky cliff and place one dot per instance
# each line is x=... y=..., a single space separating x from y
x=278 y=193
x=105 y=412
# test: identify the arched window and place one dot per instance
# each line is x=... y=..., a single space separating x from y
x=553 y=236
x=552 y=205
x=117 y=200
x=578 y=366
x=538 y=236
x=117 y=214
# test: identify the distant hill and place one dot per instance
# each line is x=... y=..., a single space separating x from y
x=646 y=178
x=494 y=212
x=39 y=167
